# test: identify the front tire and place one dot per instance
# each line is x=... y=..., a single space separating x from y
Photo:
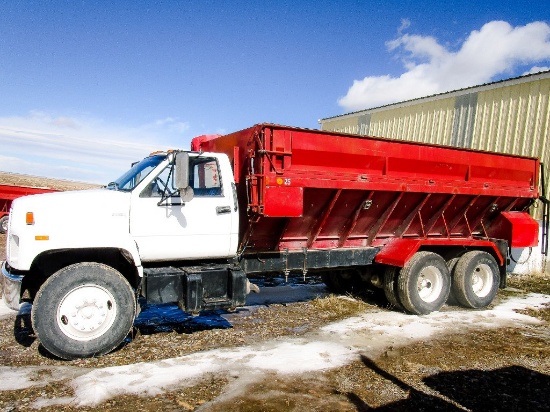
x=83 y=310
x=424 y=283
x=476 y=278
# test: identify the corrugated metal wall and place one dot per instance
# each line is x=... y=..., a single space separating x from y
x=430 y=122
x=507 y=117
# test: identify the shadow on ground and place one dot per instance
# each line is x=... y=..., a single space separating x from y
x=169 y=317
x=512 y=388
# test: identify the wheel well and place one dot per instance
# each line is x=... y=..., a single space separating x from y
x=50 y=262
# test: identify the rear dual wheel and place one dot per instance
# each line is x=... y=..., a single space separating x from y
x=421 y=286
x=424 y=283
x=475 y=279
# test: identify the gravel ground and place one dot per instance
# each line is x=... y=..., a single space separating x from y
x=497 y=369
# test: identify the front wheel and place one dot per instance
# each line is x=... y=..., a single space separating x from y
x=83 y=310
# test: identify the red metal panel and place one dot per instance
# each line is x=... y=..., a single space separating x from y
x=283 y=201
x=236 y=165
x=8 y=192
x=520 y=229
x=4 y=207
x=198 y=142
x=360 y=191
x=397 y=252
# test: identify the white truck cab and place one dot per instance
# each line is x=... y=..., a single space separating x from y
x=141 y=213
x=81 y=255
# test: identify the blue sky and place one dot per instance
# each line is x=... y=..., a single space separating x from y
x=87 y=87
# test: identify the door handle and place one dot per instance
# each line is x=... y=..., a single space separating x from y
x=220 y=210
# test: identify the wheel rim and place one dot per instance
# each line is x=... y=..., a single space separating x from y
x=4 y=225
x=86 y=312
x=482 y=280
x=430 y=283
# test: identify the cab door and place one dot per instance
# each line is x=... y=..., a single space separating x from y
x=169 y=229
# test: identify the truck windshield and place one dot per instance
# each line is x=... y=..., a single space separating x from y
x=136 y=174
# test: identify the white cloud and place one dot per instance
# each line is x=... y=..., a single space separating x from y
x=405 y=24
x=173 y=124
x=431 y=68
x=80 y=148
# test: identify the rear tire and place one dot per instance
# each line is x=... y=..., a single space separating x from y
x=476 y=279
x=424 y=283
x=451 y=264
x=390 y=287
x=83 y=310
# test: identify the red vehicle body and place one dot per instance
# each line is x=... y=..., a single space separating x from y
x=8 y=193
x=302 y=191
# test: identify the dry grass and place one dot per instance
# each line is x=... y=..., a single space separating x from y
x=337 y=307
x=534 y=282
x=15 y=179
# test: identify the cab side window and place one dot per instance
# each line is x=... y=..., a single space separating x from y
x=205 y=177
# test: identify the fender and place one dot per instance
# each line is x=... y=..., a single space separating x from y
x=397 y=252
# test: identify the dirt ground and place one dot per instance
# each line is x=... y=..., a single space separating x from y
x=502 y=369
x=487 y=370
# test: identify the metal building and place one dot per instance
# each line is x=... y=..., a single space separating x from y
x=509 y=116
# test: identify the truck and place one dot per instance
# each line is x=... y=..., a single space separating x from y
x=8 y=193
x=419 y=222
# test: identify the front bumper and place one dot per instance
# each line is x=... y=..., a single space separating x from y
x=11 y=283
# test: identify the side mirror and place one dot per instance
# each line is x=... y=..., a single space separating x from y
x=181 y=178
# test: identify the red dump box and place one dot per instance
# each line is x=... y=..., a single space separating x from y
x=8 y=193
x=408 y=217
x=312 y=189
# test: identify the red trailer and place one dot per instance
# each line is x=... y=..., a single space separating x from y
x=418 y=210
x=8 y=193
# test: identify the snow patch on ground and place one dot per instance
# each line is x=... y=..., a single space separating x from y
x=400 y=325
x=332 y=346
x=12 y=378
x=6 y=312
